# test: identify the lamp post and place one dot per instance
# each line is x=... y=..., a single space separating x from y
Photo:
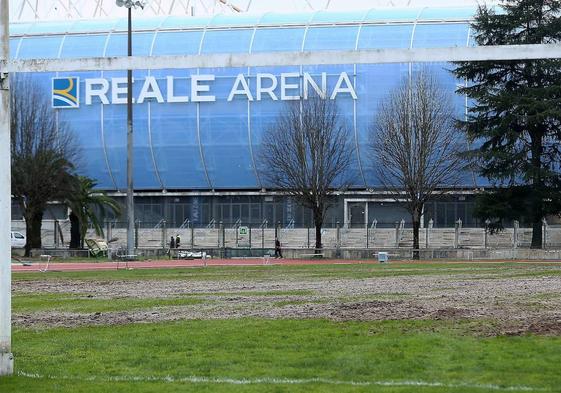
x=130 y=4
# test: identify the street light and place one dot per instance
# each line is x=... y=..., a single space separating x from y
x=130 y=4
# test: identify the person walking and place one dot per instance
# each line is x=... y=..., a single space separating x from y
x=177 y=241
x=278 y=251
x=172 y=243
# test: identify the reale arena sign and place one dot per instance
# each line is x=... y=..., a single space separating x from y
x=285 y=87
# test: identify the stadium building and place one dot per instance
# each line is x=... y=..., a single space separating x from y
x=197 y=132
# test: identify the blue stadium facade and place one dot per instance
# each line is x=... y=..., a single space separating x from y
x=195 y=155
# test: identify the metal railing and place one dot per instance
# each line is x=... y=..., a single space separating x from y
x=262 y=234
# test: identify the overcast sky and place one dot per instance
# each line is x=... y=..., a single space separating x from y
x=25 y=10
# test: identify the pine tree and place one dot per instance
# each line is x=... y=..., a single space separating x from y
x=514 y=120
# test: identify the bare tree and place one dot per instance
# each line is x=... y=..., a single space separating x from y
x=416 y=146
x=42 y=156
x=307 y=154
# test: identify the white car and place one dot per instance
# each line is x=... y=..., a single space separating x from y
x=18 y=240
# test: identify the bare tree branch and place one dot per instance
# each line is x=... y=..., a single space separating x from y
x=307 y=154
x=415 y=144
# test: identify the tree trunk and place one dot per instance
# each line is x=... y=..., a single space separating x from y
x=537 y=233
x=416 y=218
x=33 y=223
x=537 y=196
x=318 y=222
x=75 y=237
x=416 y=226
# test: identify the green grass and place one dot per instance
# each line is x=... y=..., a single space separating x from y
x=87 y=359
x=80 y=303
x=267 y=354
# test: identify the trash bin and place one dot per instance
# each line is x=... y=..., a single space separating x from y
x=382 y=256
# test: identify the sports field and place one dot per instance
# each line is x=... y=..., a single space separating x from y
x=398 y=327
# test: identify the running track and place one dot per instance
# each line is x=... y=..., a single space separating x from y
x=37 y=266
x=166 y=263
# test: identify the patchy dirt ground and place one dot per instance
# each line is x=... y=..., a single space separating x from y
x=509 y=305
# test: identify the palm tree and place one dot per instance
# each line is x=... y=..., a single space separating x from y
x=84 y=203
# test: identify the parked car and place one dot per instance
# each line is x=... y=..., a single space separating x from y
x=18 y=240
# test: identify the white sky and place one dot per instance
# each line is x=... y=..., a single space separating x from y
x=25 y=10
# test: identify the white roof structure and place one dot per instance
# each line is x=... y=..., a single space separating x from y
x=37 y=10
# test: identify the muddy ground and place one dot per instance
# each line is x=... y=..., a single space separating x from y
x=502 y=305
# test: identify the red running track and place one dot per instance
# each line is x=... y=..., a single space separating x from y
x=37 y=266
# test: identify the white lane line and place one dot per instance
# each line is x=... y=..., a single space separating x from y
x=278 y=381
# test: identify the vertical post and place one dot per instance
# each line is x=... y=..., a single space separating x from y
x=56 y=237
x=249 y=229
x=396 y=234
x=544 y=231
x=338 y=237
x=457 y=227
x=367 y=236
x=6 y=357
x=164 y=234
x=192 y=236
x=130 y=199
x=374 y=227
x=109 y=231
x=487 y=222
x=135 y=238
x=308 y=228
x=223 y=231
x=515 y=234
x=427 y=233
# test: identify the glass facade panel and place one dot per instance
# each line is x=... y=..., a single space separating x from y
x=40 y=47
x=325 y=38
x=231 y=41
x=141 y=44
x=19 y=28
x=386 y=36
x=91 y=45
x=177 y=43
x=182 y=22
x=374 y=84
x=335 y=17
x=392 y=14
x=175 y=137
x=448 y=13
x=440 y=35
x=86 y=124
x=94 y=25
x=274 y=18
x=225 y=138
x=234 y=20
x=14 y=43
x=187 y=145
x=285 y=39
x=115 y=131
x=51 y=27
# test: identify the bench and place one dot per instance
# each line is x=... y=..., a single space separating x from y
x=311 y=256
